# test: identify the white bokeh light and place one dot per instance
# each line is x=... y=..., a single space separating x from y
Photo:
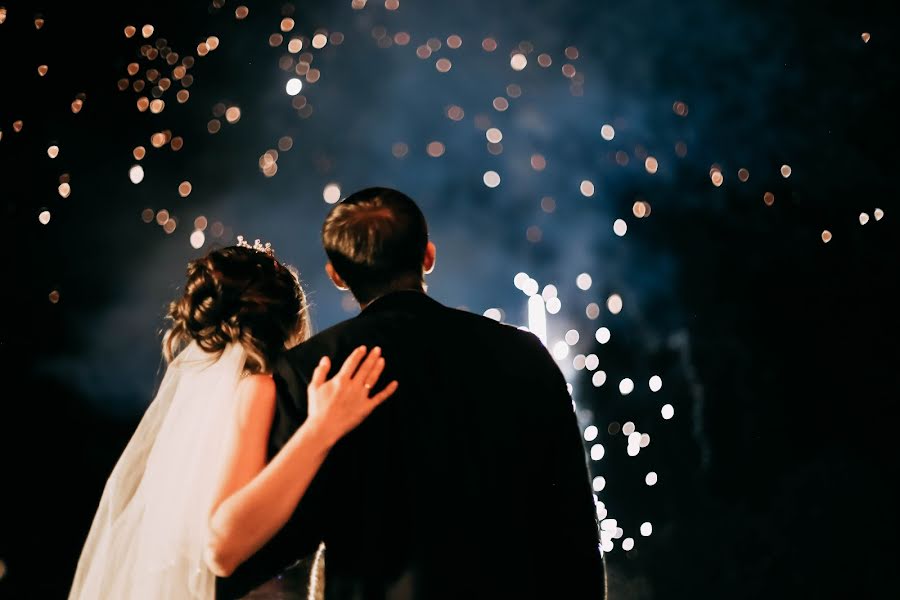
x=520 y=280
x=627 y=544
x=651 y=478
x=598 y=484
x=332 y=193
x=587 y=188
x=628 y=428
x=655 y=383
x=493 y=314
x=626 y=386
x=554 y=305
x=597 y=451
x=136 y=174
x=572 y=337
x=591 y=361
x=518 y=61
x=599 y=378
x=197 y=239
x=590 y=433
x=293 y=86
x=614 y=304
x=560 y=350
x=491 y=179
x=668 y=411
x=583 y=281
x=646 y=529
x=44 y=217
x=549 y=292
x=620 y=227
x=607 y=132
x=578 y=362
x=603 y=335
x=537 y=317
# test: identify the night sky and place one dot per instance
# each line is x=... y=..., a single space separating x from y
x=690 y=157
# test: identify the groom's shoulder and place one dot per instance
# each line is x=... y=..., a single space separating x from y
x=324 y=342
x=454 y=322
x=487 y=330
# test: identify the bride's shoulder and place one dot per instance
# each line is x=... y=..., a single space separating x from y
x=256 y=397
x=256 y=384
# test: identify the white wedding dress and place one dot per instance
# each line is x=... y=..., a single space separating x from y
x=149 y=534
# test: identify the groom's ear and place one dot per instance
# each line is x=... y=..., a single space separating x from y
x=335 y=278
x=430 y=258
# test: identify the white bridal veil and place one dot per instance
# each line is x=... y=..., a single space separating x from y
x=150 y=530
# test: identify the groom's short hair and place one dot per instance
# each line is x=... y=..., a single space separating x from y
x=375 y=240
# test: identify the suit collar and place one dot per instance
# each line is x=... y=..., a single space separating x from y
x=403 y=300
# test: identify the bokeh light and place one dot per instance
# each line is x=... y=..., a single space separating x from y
x=603 y=335
x=332 y=193
x=614 y=304
x=518 y=62
x=587 y=188
x=667 y=411
x=293 y=86
x=197 y=239
x=136 y=174
x=493 y=314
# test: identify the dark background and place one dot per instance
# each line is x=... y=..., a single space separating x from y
x=776 y=350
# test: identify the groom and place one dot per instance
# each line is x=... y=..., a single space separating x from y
x=470 y=482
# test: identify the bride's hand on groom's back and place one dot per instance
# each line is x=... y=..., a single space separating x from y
x=339 y=404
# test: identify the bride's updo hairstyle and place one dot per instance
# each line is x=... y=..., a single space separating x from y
x=239 y=294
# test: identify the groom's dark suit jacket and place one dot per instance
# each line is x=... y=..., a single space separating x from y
x=470 y=482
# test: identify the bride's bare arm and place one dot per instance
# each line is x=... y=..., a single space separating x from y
x=256 y=499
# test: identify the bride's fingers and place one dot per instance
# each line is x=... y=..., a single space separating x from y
x=372 y=378
x=384 y=394
x=321 y=372
x=362 y=375
x=352 y=362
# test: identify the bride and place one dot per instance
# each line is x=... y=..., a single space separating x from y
x=194 y=495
